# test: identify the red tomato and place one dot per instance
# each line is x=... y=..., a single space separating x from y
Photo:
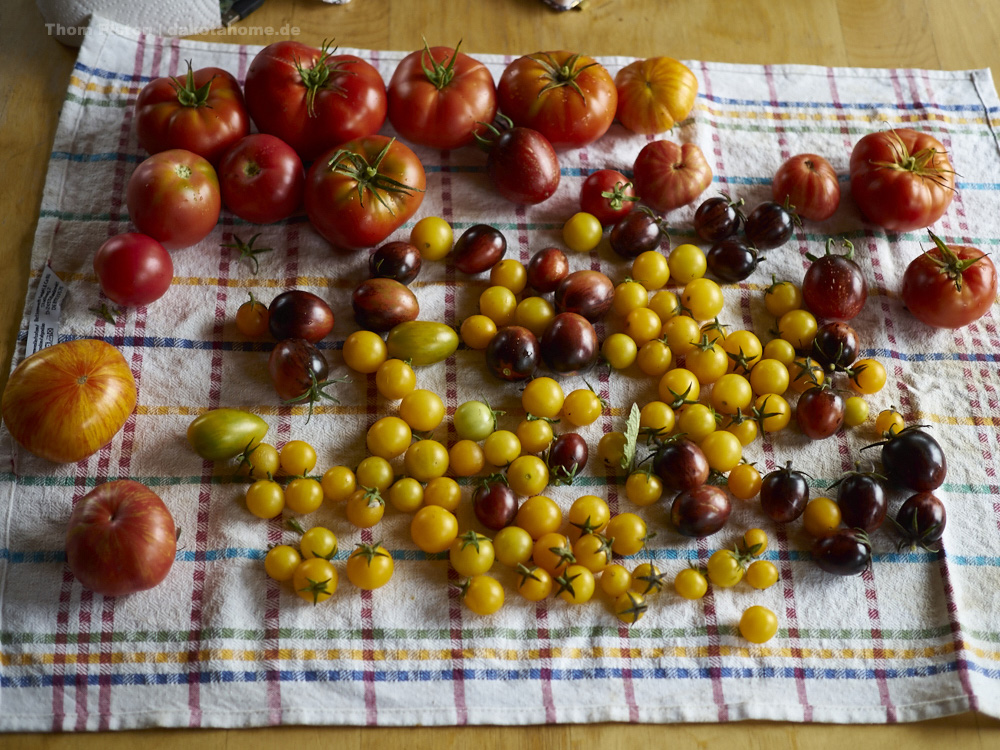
x=68 y=400
x=668 y=176
x=607 y=194
x=654 y=94
x=262 y=179
x=439 y=97
x=173 y=196
x=950 y=286
x=133 y=269
x=809 y=184
x=204 y=113
x=121 y=539
x=312 y=99
x=359 y=194
x=567 y=97
x=901 y=179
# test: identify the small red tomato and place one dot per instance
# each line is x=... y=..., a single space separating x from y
x=262 y=179
x=133 y=269
x=809 y=184
x=609 y=195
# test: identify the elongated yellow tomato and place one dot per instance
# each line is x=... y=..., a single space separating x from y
x=654 y=94
x=219 y=434
x=422 y=342
x=68 y=400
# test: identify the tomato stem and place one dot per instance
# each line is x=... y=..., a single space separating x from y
x=187 y=94
x=438 y=74
x=949 y=263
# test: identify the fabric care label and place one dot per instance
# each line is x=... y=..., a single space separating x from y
x=43 y=327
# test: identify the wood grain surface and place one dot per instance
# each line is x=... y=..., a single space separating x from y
x=949 y=34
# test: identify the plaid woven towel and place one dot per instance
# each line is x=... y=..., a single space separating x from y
x=220 y=644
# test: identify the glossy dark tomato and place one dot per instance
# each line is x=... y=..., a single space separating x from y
x=637 y=232
x=681 y=465
x=380 y=304
x=546 y=269
x=567 y=456
x=718 y=218
x=478 y=249
x=523 y=166
x=700 y=511
x=921 y=520
x=770 y=225
x=784 y=494
x=495 y=504
x=820 y=412
x=298 y=314
x=913 y=459
x=844 y=552
x=834 y=287
x=862 y=501
x=295 y=366
x=569 y=344
x=398 y=260
x=587 y=293
x=513 y=353
x=836 y=346
x=732 y=260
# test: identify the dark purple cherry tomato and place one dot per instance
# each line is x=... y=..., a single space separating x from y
x=395 y=260
x=587 y=293
x=495 y=504
x=639 y=231
x=844 y=552
x=784 y=494
x=381 y=304
x=732 y=260
x=295 y=367
x=921 y=521
x=834 y=287
x=913 y=459
x=478 y=249
x=862 y=501
x=608 y=195
x=567 y=456
x=681 y=465
x=700 y=511
x=546 y=269
x=298 y=314
x=523 y=166
x=512 y=353
x=569 y=344
x=836 y=346
x=718 y=218
x=820 y=412
x=770 y=225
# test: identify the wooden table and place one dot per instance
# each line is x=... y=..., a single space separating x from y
x=949 y=34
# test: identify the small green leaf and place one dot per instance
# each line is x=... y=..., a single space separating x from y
x=631 y=437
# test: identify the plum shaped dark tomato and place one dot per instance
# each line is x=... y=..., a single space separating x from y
x=299 y=372
x=569 y=344
x=495 y=503
x=380 y=304
x=913 y=459
x=921 y=520
x=784 y=494
x=681 y=465
x=639 y=231
x=834 y=287
x=718 y=218
x=836 y=346
x=732 y=260
x=820 y=412
x=521 y=163
x=587 y=293
x=567 y=456
x=546 y=269
x=770 y=225
x=298 y=314
x=844 y=552
x=700 y=511
x=398 y=260
x=478 y=249
x=862 y=500
x=512 y=353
